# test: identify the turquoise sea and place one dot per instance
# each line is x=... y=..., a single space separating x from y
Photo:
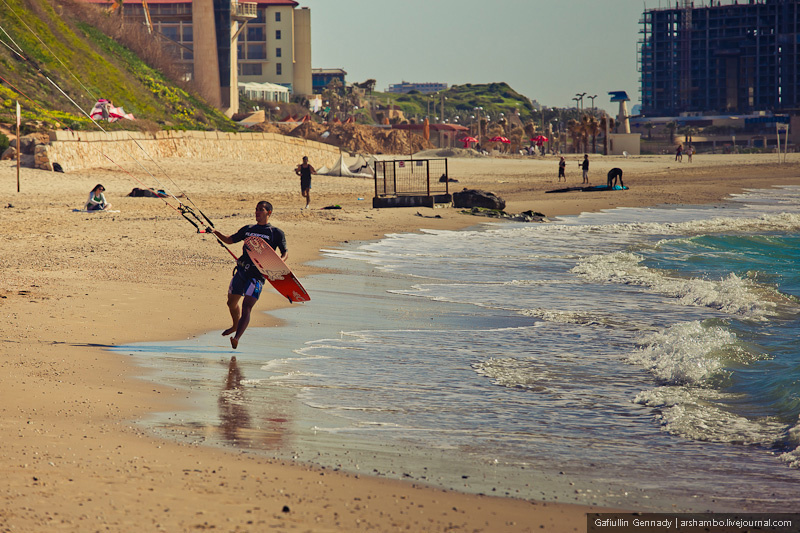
x=642 y=358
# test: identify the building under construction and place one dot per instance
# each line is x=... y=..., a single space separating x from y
x=737 y=57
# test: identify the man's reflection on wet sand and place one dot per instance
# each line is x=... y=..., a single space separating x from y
x=235 y=420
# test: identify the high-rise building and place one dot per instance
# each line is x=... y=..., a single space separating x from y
x=737 y=56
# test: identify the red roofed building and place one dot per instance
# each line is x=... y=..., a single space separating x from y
x=272 y=42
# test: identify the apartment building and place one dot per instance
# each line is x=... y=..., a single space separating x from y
x=263 y=41
x=720 y=57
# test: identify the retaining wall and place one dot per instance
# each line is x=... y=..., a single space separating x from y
x=75 y=150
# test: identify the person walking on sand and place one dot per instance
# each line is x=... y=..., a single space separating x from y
x=562 y=168
x=679 y=153
x=585 y=167
x=97 y=200
x=689 y=152
x=247 y=281
x=304 y=170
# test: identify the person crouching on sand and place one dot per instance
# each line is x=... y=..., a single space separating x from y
x=613 y=174
x=247 y=281
x=97 y=200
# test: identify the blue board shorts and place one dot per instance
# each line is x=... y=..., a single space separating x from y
x=245 y=285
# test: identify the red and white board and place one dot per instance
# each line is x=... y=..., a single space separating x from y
x=270 y=264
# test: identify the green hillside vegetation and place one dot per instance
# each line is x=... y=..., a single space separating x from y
x=461 y=101
x=90 y=64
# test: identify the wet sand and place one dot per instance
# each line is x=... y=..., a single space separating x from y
x=77 y=283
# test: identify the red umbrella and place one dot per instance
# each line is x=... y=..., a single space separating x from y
x=539 y=139
x=467 y=140
x=499 y=139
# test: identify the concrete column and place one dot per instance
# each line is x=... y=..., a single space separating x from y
x=206 y=66
x=302 y=52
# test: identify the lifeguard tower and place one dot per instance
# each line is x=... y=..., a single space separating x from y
x=625 y=142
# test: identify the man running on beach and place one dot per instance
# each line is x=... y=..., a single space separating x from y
x=247 y=281
x=613 y=174
x=304 y=170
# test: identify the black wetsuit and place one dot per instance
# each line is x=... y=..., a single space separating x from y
x=305 y=177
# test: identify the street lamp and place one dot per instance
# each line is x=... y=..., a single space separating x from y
x=592 y=99
x=277 y=109
x=580 y=97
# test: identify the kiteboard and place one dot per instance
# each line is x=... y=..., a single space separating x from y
x=270 y=264
x=592 y=188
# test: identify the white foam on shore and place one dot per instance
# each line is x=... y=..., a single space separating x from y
x=732 y=295
x=792 y=458
x=688 y=353
x=690 y=412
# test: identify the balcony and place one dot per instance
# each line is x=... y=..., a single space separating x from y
x=244 y=11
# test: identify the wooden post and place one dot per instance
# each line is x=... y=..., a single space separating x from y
x=428 y=171
x=19 y=146
x=447 y=181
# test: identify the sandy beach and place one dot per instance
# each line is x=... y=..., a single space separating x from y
x=76 y=283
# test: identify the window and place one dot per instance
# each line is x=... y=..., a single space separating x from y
x=170 y=31
x=278 y=69
x=277 y=35
x=278 y=52
x=186 y=30
x=250 y=69
x=256 y=51
x=255 y=33
x=277 y=16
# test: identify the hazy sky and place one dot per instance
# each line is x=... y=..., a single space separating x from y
x=548 y=50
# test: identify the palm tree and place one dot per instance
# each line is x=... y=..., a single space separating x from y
x=575 y=130
x=593 y=129
x=688 y=132
x=649 y=126
x=671 y=126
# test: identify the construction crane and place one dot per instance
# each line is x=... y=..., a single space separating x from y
x=147 y=20
x=117 y=7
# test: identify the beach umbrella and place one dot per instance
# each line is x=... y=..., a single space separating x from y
x=467 y=140
x=539 y=139
x=499 y=139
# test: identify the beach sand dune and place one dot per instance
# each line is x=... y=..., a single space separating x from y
x=75 y=283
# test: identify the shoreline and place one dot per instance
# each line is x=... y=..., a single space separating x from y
x=66 y=400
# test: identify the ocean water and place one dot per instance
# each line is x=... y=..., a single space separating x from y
x=642 y=358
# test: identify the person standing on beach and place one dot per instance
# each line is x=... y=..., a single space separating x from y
x=585 y=167
x=689 y=152
x=304 y=170
x=562 y=167
x=679 y=153
x=247 y=281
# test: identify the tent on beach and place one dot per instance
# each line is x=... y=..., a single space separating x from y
x=360 y=169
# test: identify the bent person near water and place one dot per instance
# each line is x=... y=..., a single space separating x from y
x=247 y=281
x=613 y=175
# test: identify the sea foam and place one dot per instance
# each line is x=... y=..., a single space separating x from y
x=732 y=295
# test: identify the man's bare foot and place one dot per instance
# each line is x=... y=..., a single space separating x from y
x=228 y=331
x=234 y=342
